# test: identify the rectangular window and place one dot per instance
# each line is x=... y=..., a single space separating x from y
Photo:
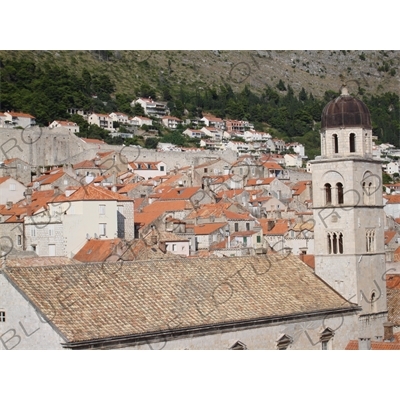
x=33 y=231
x=102 y=229
x=258 y=239
x=247 y=226
x=2 y=316
x=52 y=250
x=12 y=186
x=236 y=227
x=161 y=167
x=19 y=240
x=102 y=209
x=50 y=230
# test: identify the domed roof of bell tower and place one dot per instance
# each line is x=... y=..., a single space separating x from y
x=345 y=111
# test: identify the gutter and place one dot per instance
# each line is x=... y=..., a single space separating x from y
x=164 y=335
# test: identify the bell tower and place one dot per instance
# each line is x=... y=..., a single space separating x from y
x=348 y=212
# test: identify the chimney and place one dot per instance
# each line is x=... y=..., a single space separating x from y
x=271 y=225
x=364 y=344
x=28 y=195
x=57 y=191
x=388 y=332
x=9 y=204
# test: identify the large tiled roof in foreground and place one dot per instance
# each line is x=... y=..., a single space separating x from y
x=99 y=301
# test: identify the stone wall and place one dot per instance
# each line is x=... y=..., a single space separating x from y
x=44 y=146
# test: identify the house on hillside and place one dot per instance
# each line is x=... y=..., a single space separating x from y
x=66 y=126
x=14 y=119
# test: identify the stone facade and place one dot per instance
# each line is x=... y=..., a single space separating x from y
x=349 y=220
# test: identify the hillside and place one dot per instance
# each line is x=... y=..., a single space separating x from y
x=282 y=92
x=375 y=72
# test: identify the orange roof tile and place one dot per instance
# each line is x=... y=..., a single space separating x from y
x=353 y=345
x=91 y=192
x=97 y=250
x=259 y=181
x=20 y=114
x=393 y=199
x=389 y=235
x=206 y=229
x=163 y=206
x=299 y=187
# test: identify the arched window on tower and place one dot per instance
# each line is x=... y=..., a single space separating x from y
x=328 y=194
x=335 y=144
x=339 y=187
x=352 y=142
x=340 y=243
x=335 y=242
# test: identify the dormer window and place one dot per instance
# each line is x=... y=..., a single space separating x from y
x=238 y=346
x=284 y=342
x=326 y=339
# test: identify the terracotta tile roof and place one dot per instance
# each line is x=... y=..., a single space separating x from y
x=393 y=298
x=66 y=123
x=389 y=235
x=353 y=345
x=91 y=192
x=259 y=181
x=4 y=178
x=11 y=160
x=238 y=217
x=20 y=114
x=97 y=250
x=20 y=209
x=172 y=205
x=48 y=178
x=396 y=255
x=393 y=199
x=128 y=187
x=272 y=165
x=141 y=297
x=181 y=193
x=207 y=210
x=280 y=227
x=145 y=218
x=207 y=229
x=85 y=164
x=299 y=187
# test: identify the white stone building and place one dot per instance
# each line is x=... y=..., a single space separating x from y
x=63 y=226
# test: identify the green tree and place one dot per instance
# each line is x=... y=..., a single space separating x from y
x=151 y=143
x=281 y=86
